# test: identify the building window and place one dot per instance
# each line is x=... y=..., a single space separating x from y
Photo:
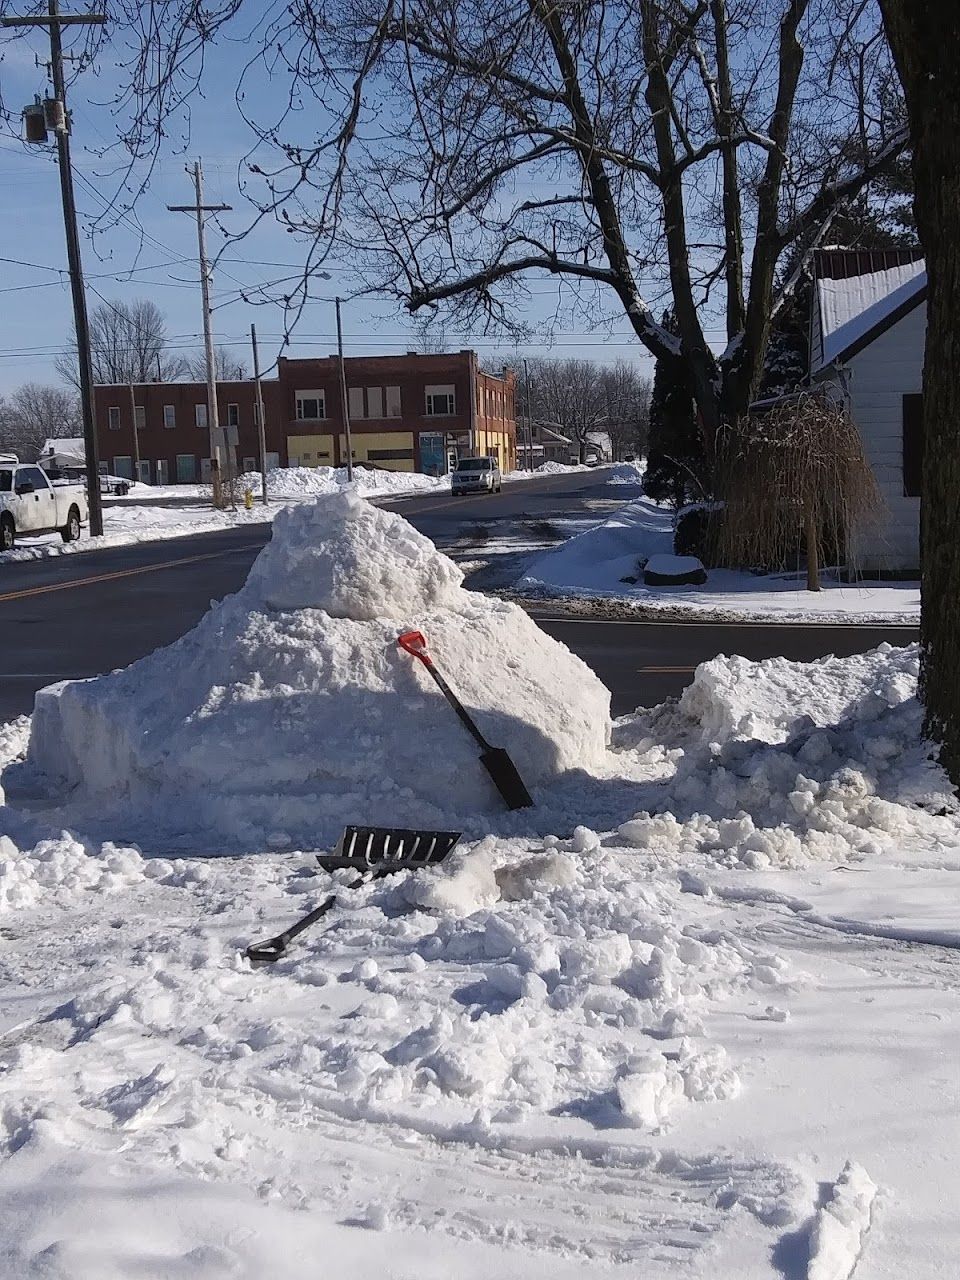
x=169 y=416
x=249 y=464
x=310 y=405
x=233 y=415
x=389 y=455
x=200 y=415
x=140 y=416
x=912 y=446
x=440 y=401
x=374 y=402
x=113 y=417
x=393 y=402
x=355 y=403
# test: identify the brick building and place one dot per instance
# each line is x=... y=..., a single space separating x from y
x=407 y=413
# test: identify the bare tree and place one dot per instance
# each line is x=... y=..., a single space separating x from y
x=618 y=144
x=128 y=342
x=580 y=398
x=632 y=147
x=567 y=395
x=626 y=400
x=926 y=44
x=36 y=413
x=227 y=367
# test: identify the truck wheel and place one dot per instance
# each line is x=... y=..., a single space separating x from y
x=71 y=530
x=8 y=533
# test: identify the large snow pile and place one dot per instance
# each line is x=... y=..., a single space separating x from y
x=778 y=763
x=773 y=699
x=560 y=468
x=289 y=709
x=626 y=473
x=312 y=482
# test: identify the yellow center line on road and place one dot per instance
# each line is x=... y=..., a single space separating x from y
x=123 y=573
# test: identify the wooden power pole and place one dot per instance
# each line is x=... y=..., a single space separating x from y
x=261 y=424
x=344 y=405
x=198 y=208
x=56 y=117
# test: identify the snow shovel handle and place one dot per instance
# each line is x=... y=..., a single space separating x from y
x=415 y=643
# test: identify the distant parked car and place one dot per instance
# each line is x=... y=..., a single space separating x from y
x=30 y=504
x=115 y=484
x=77 y=475
x=476 y=475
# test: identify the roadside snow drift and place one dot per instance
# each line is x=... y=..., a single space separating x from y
x=289 y=709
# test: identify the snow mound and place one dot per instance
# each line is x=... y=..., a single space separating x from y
x=770 y=700
x=353 y=561
x=559 y=468
x=289 y=710
x=314 y=482
x=63 y=864
x=626 y=473
x=783 y=763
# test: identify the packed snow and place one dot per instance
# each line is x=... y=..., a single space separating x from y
x=694 y=1014
x=626 y=473
x=311 y=482
x=293 y=694
x=603 y=563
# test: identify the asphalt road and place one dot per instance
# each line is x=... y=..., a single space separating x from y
x=80 y=615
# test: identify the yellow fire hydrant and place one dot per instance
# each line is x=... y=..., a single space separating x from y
x=248 y=499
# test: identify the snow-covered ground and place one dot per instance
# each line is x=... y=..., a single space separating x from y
x=151 y=513
x=594 y=564
x=157 y=512
x=693 y=1014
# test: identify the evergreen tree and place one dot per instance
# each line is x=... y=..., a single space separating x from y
x=676 y=460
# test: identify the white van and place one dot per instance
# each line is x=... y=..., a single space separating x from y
x=476 y=475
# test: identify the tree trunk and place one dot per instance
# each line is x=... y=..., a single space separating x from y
x=813 y=546
x=925 y=38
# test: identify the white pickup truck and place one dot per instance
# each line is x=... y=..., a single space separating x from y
x=30 y=504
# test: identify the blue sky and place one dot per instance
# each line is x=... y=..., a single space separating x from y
x=35 y=309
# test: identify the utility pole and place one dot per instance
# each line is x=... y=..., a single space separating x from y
x=213 y=418
x=344 y=407
x=261 y=424
x=136 y=437
x=57 y=118
x=529 y=416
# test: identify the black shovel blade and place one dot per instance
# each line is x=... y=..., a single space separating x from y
x=503 y=773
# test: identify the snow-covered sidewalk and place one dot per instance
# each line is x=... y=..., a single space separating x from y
x=593 y=566
x=694 y=1014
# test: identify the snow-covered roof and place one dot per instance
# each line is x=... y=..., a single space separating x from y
x=67 y=447
x=849 y=309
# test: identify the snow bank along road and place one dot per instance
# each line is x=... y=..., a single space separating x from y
x=79 y=616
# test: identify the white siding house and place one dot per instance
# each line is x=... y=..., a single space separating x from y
x=867 y=343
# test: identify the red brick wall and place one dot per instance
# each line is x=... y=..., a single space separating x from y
x=411 y=373
x=160 y=442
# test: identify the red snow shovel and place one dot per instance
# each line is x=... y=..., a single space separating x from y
x=496 y=760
